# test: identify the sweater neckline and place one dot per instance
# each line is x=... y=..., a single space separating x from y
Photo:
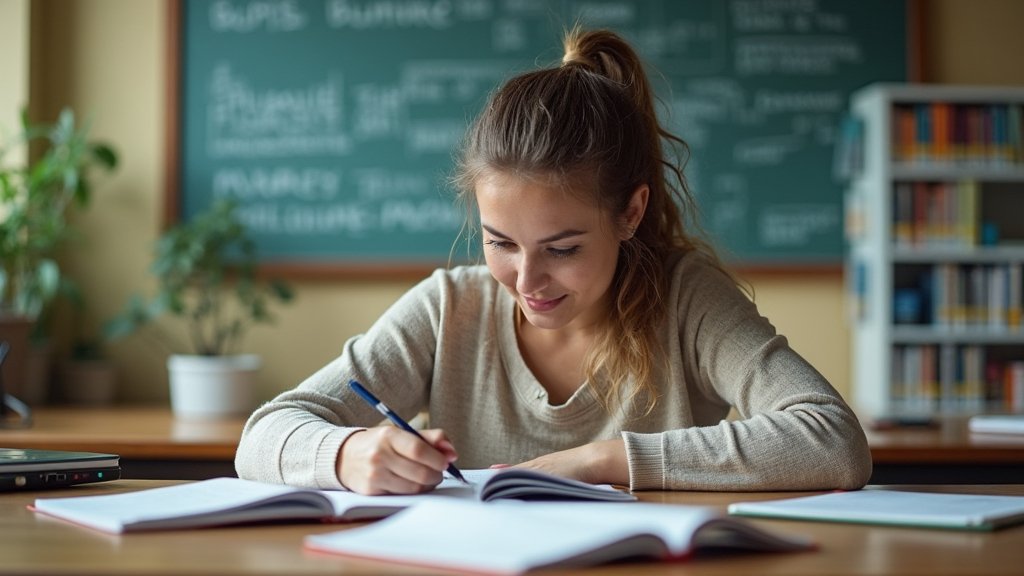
x=528 y=389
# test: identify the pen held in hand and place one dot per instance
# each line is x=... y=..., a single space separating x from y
x=398 y=421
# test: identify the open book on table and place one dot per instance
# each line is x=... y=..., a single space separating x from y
x=895 y=507
x=510 y=538
x=222 y=501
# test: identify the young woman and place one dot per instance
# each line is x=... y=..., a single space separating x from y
x=602 y=341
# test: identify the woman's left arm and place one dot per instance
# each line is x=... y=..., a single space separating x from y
x=794 y=431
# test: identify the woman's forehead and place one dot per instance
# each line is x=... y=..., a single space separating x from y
x=527 y=206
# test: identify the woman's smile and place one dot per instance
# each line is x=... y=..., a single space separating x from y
x=542 y=305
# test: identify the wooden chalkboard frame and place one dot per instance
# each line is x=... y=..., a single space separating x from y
x=348 y=270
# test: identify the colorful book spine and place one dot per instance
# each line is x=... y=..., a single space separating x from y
x=1014 y=289
x=1001 y=153
x=951 y=295
x=943 y=132
x=997 y=315
x=967 y=193
x=1013 y=393
x=906 y=133
x=923 y=137
x=903 y=215
x=936 y=214
x=1014 y=120
x=949 y=378
x=941 y=149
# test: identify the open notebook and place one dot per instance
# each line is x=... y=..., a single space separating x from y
x=511 y=538
x=222 y=501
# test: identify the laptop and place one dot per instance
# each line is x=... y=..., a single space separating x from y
x=28 y=469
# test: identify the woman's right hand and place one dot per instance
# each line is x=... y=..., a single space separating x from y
x=387 y=460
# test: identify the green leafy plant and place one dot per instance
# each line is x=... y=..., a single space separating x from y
x=86 y=345
x=206 y=274
x=35 y=199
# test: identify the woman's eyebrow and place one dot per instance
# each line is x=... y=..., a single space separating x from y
x=553 y=238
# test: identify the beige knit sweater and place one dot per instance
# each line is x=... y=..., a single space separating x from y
x=449 y=346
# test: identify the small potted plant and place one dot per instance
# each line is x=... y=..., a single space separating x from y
x=86 y=377
x=206 y=275
x=37 y=191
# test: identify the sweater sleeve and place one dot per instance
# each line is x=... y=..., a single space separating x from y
x=296 y=437
x=794 y=431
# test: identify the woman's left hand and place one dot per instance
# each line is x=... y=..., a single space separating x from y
x=602 y=462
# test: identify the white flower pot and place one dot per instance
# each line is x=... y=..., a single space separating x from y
x=212 y=386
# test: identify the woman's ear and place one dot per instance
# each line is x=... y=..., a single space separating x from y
x=635 y=210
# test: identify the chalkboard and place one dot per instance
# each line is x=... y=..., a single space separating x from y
x=333 y=122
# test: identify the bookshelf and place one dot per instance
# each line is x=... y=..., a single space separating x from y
x=935 y=259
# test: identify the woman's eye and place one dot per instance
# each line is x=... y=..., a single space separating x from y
x=499 y=244
x=563 y=252
x=505 y=246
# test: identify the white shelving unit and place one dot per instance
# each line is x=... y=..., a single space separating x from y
x=933 y=361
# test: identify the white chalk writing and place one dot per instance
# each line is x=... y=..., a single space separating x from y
x=281 y=16
x=436 y=14
x=276 y=183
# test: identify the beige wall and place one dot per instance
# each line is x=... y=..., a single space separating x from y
x=14 y=51
x=106 y=57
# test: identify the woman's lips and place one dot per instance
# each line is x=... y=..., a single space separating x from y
x=543 y=305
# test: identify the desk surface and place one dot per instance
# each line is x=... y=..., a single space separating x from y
x=131 y=432
x=153 y=433
x=31 y=543
x=949 y=442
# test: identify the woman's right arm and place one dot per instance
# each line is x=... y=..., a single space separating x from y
x=298 y=437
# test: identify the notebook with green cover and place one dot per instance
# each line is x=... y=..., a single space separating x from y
x=895 y=507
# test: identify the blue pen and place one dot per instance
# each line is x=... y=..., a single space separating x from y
x=383 y=409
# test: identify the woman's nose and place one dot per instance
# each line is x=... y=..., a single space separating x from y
x=531 y=277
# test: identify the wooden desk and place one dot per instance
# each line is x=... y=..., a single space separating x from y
x=155 y=445
x=945 y=454
x=38 y=544
x=152 y=443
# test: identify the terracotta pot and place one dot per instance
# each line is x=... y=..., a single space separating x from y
x=36 y=387
x=88 y=382
x=15 y=330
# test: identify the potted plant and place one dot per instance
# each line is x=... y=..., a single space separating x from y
x=37 y=192
x=86 y=376
x=205 y=270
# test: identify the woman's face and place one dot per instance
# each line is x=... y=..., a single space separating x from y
x=555 y=252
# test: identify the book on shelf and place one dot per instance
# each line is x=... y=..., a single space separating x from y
x=221 y=501
x=936 y=215
x=896 y=508
x=975 y=296
x=954 y=378
x=932 y=132
x=509 y=538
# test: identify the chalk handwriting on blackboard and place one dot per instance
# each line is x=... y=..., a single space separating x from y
x=334 y=122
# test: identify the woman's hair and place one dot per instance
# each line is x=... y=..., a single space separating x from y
x=590 y=125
